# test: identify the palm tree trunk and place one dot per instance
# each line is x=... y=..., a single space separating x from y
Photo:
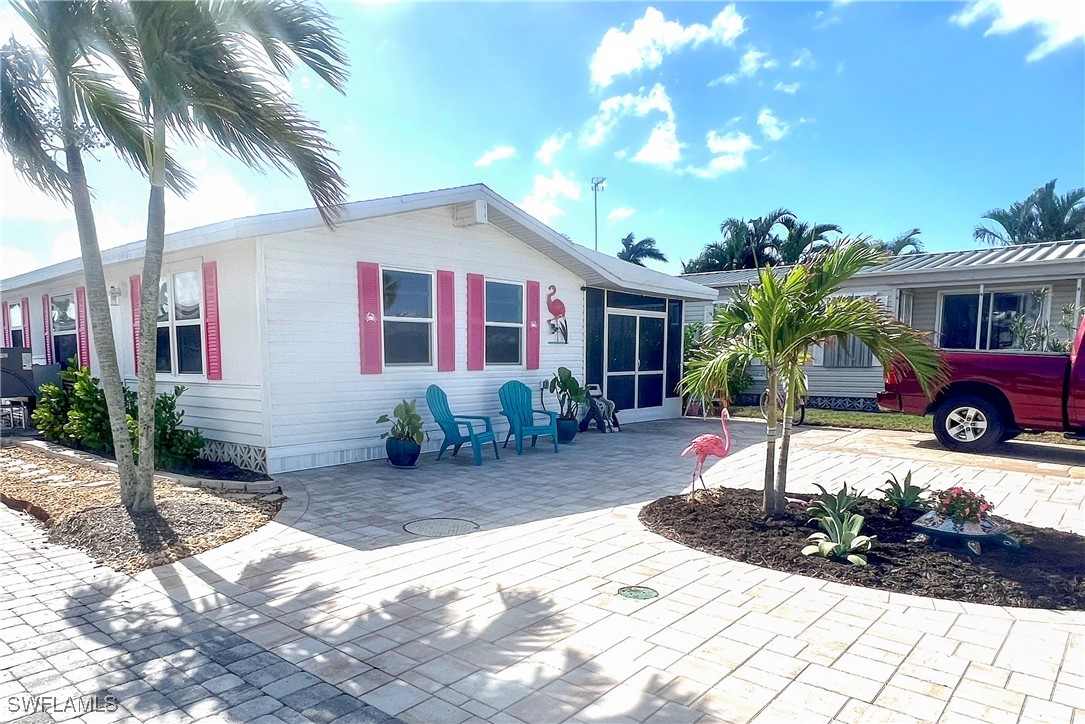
x=101 y=324
x=769 y=502
x=785 y=441
x=148 y=316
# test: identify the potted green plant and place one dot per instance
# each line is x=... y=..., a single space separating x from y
x=404 y=441
x=570 y=397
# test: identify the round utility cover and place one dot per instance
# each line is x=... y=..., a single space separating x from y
x=440 y=527
x=637 y=592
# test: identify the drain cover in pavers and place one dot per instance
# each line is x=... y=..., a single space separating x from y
x=440 y=527
x=637 y=592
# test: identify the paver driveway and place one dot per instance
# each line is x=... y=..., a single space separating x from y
x=519 y=621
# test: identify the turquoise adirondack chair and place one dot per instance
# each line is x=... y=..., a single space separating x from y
x=515 y=399
x=453 y=425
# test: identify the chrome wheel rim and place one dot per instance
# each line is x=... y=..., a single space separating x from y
x=966 y=424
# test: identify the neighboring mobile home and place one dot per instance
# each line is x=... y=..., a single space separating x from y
x=974 y=299
x=292 y=338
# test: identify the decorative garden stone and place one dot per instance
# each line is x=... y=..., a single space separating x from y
x=972 y=534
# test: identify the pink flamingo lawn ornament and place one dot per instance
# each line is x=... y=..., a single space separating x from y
x=705 y=445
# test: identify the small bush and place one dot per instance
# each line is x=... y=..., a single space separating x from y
x=75 y=414
x=963 y=506
x=839 y=538
x=50 y=414
x=829 y=504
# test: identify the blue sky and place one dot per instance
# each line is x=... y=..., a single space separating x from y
x=876 y=116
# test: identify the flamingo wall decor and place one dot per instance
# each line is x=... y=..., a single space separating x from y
x=559 y=326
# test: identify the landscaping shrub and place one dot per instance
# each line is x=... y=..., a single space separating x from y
x=963 y=506
x=75 y=414
x=904 y=496
x=829 y=504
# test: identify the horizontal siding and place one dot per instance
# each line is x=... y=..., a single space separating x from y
x=833 y=381
x=230 y=413
x=925 y=309
x=323 y=410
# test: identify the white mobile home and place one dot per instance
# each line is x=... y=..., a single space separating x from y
x=972 y=299
x=292 y=338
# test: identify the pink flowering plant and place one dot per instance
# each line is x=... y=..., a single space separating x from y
x=962 y=505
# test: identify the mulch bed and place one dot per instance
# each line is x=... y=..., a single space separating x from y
x=189 y=520
x=1048 y=573
x=183 y=526
x=216 y=470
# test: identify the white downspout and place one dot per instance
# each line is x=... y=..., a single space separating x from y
x=979 y=317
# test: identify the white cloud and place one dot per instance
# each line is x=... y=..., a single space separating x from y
x=824 y=21
x=551 y=146
x=804 y=59
x=497 y=153
x=729 y=154
x=789 y=88
x=662 y=148
x=218 y=197
x=23 y=201
x=542 y=202
x=652 y=37
x=773 y=128
x=614 y=108
x=752 y=61
x=1057 y=22
x=16 y=262
x=622 y=212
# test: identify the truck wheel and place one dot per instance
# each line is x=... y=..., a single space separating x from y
x=968 y=424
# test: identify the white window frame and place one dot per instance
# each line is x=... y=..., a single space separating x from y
x=173 y=324
x=983 y=290
x=53 y=334
x=21 y=328
x=431 y=321
x=905 y=301
x=522 y=326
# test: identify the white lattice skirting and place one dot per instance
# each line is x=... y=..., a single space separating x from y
x=248 y=457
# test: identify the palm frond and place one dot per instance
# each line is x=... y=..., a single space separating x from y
x=24 y=134
x=288 y=29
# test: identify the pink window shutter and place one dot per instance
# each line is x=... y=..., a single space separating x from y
x=446 y=321
x=476 y=321
x=26 y=323
x=81 y=326
x=211 y=320
x=369 y=318
x=47 y=332
x=7 y=328
x=135 y=291
x=533 y=326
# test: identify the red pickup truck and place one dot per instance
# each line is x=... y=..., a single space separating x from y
x=991 y=397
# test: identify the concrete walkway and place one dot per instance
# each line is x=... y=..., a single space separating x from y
x=520 y=620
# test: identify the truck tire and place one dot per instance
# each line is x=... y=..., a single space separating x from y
x=968 y=424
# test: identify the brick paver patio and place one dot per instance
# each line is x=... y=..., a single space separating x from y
x=334 y=604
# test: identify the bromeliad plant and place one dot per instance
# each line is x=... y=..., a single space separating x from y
x=963 y=506
x=570 y=394
x=904 y=496
x=839 y=539
x=407 y=425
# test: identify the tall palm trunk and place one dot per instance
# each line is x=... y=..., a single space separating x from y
x=769 y=500
x=785 y=440
x=101 y=324
x=148 y=316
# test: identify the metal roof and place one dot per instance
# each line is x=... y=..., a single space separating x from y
x=595 y=268
x=1067 y=254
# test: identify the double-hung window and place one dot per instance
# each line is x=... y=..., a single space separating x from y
x=504 y=323
x=179 y=349
x=993 y=320
x=15 y=324
x=63 y=325
x=408 y=317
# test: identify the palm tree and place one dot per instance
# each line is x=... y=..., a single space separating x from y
x=196 y=74
x=60 y=79
x=777 y=320
x=900 y=245
x=635 y=252
x=1043 y=216
x=745 y=245
x=803 y=239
